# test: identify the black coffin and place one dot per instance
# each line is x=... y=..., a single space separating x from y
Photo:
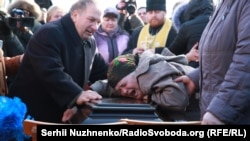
x=114 y=109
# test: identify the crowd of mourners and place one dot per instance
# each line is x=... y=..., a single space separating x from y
x=193 y=66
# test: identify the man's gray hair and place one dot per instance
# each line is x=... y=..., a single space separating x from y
x=81 y=5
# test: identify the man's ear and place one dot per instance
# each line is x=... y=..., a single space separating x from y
x=74 y=15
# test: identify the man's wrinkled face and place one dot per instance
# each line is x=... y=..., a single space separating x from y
x=87 y=21
x=156 y=17
x=128 y=87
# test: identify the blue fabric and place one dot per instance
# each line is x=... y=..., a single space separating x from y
x=11 y=119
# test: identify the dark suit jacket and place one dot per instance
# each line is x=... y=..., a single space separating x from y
x=56 y=66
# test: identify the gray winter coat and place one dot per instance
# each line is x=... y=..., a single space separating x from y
x=155 y=74
x=224 y=63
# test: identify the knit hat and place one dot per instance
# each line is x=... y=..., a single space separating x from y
x=120 y=67
x=113 y=12
x=156 y=5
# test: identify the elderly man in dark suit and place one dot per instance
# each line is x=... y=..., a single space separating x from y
x=60 y=60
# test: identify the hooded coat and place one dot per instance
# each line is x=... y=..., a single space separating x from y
x=34 y=11
x=190 y=19
x=29 y=5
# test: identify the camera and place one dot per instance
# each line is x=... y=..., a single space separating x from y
x=18 y=17
x=130 y=6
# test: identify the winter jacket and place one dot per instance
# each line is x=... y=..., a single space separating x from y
x=34 y=12
x=170 y=98
x=193 y=18
x=111 y=45
x=8 y=67
x=55 y=69
x=224 y=73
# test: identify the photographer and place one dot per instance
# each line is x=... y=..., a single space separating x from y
x=11 y=44
x=11 y=47
x=23 y=20
x=129 y=20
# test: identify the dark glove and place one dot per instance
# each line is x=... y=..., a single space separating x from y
x=4 y=28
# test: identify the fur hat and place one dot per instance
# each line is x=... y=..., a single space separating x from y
x=120 y=67
x=156 y=5
x=29 y=5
